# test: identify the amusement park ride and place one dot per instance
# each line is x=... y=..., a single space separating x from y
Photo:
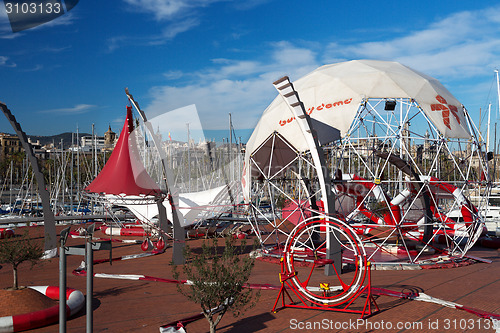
x=363 y=164
x=355 y=166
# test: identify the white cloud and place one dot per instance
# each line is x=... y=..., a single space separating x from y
x=232 y=68
x=4 y=34
x=160 y=9
x=173 y=9
x=4 y=61
x=49 y=49
x=178 y=16
x=214 y=100
x=174 y=124
x=77 y=109
x=169 y=10
x=168 y=33
x=463 y=44
x=116 y=42
x=35 y=68
x=66 y=19
x=248 y=4
x=283 y=58
x=173 y=75
x=458 y=47
x=287 y=54
x=178 y=27
x=243 y=88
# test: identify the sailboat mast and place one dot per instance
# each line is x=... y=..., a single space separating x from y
x=189 y=158
x=63 y=175
x=488 y=129
x=495 y=142
x=495 y=155
x=498 y=90
x=93 y=154
x=71 y=173
x=77 y=162
x=10 y=191
x=230 y=148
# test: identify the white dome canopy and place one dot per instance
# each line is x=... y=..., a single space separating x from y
x=332 y=93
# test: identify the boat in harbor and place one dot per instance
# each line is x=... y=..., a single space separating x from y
x=491 y=218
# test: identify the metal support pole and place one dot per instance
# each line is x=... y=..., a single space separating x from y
x=49 y=221
x=90 y=286
x=179 y=236
x=89 y=265
x=62 y=280
x=62 y=289
x=291 y=97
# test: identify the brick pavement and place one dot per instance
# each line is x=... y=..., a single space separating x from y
x=143 y=306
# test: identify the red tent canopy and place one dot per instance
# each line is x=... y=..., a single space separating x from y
x=124 y=172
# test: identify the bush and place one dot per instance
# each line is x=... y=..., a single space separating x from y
x=218 y=280
x=17 y=250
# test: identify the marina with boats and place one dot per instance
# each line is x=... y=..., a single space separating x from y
x=378 y=173
x=401 y=180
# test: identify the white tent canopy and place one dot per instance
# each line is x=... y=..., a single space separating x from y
x=332 y=95
x=190 y=204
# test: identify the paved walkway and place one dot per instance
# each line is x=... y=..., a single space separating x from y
x=143 y=306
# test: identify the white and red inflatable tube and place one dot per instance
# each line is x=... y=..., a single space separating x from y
x=128 y=231
x=467 y=208
x=135 y=231
x=392 y=217
x=31 y=320
x=6 y=233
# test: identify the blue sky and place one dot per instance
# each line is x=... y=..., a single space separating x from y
x=223 y=56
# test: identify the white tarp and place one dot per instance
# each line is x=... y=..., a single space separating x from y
x=190 y=204
x=332 y=94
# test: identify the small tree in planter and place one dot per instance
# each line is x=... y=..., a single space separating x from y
x=218 y=280
x=19 y=249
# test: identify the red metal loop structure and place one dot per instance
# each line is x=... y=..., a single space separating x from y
x=308 y=243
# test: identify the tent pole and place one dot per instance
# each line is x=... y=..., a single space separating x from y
x=50 y=244
x=179 y=236
x=291 y=97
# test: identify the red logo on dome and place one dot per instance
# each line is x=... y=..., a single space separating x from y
x=446 y=109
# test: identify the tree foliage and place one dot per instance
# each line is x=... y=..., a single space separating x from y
x=17 y=250
x=217 y=280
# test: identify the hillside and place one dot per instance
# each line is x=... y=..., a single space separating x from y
x=56 y=139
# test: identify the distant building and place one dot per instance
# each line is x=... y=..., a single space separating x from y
x=87 y=143
x=35 y=144
x=109 y=139
x=40 y=152
x=9 y=144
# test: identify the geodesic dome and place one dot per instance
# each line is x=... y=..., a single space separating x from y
x=405 y=162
